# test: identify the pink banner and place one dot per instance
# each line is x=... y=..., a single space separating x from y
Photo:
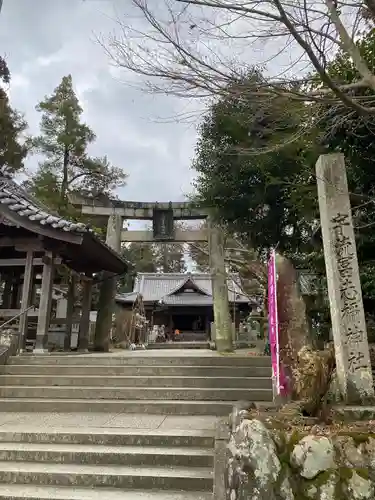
x=273 y=323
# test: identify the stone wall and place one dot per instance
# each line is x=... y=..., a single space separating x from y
x=268 y=463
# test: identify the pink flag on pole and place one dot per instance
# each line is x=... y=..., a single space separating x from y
x=273 y=324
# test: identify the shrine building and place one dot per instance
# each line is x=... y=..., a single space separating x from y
x=184 y=302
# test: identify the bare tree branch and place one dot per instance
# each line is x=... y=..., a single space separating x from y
x=203 y=48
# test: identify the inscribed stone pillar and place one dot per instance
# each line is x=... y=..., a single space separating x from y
x=44 y=313
x=26 y=296
x=107 y=289
x=69 y=313
x=84 y=324
x=344 y=287
x=222 y=319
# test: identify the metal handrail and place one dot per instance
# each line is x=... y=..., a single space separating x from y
x=17 y=316
x=19 y=334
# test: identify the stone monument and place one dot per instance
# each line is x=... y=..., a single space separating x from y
x=345 y=295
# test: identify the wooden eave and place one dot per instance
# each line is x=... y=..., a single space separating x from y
x=82 y=251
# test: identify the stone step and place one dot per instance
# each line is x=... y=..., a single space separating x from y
x=107 y=455
x=112 y=437
x=144 y=371
x=151 y=407
x=138 y=393
x=32 y=492
x=138 y=358
x=138 y=381
x=146 y=478
x=179 y=345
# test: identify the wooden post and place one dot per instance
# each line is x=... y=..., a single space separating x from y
x=69 y=313
x=26 y=295
x=223 y=323
x=45 y=304
x=345 y=295
x=107 y=289
x=84 y=324
x=7 y=291
x=14 y=293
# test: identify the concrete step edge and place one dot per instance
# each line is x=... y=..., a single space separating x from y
x=109 y=431
x=132 y=388
x=119 y=402
x=129 y=377
x=140 y=367
x=105 y=470
x=34 y=492
x=105 y=449
x=189 y=439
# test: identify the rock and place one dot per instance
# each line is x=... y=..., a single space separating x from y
x=255 y=456
x=334 y=392
x=239 y=413
x=327 y=491
x=348 y=455
x=312 y=492
x=324 y=491
x=360 y=488
x=286 y=492
x=312 y=455
x=368 y=450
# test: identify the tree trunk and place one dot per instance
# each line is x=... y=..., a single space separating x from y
x=65 y=179
x=105 y=312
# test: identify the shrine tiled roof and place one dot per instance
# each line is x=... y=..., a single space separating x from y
x=19 y=201
x=16 y=205
x=167 y=288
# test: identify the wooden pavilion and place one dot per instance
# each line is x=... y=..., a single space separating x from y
x=184 y=301
x=34 y=245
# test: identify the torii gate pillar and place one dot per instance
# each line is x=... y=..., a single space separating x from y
x=107 y=288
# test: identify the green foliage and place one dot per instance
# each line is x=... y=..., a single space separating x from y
x=267 y=199
x=267 y=195
x=169 y=257
x=141 y=260
x=344 y=130
x=13 y=143
x=67 y=167
x=150 y=258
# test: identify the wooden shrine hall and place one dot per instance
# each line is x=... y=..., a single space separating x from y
x=37 y=250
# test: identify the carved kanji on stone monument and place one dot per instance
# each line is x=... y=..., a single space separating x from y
x=344 y=287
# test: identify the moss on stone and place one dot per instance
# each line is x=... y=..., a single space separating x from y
x=345 y=473
x=322 y=477
x=276 y=424
x=363 y=473
x=284 y=473
x=358 y=437
x=287 y=445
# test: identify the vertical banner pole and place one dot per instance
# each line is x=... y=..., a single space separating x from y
x=273 y=324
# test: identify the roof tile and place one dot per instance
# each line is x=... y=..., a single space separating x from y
x=155 y=287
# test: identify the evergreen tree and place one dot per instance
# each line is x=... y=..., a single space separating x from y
x=63 y=141
x=13 y=147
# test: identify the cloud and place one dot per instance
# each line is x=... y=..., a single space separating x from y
x=45 y=40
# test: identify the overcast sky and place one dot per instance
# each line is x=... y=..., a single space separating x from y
x=43 y=40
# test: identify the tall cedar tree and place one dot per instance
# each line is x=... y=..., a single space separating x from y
x=13 y=148
x=67 y=167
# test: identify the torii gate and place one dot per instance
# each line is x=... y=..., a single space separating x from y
x=163 y=216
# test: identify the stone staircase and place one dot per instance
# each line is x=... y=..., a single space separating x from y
x=106 y=465
x=114 y=463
